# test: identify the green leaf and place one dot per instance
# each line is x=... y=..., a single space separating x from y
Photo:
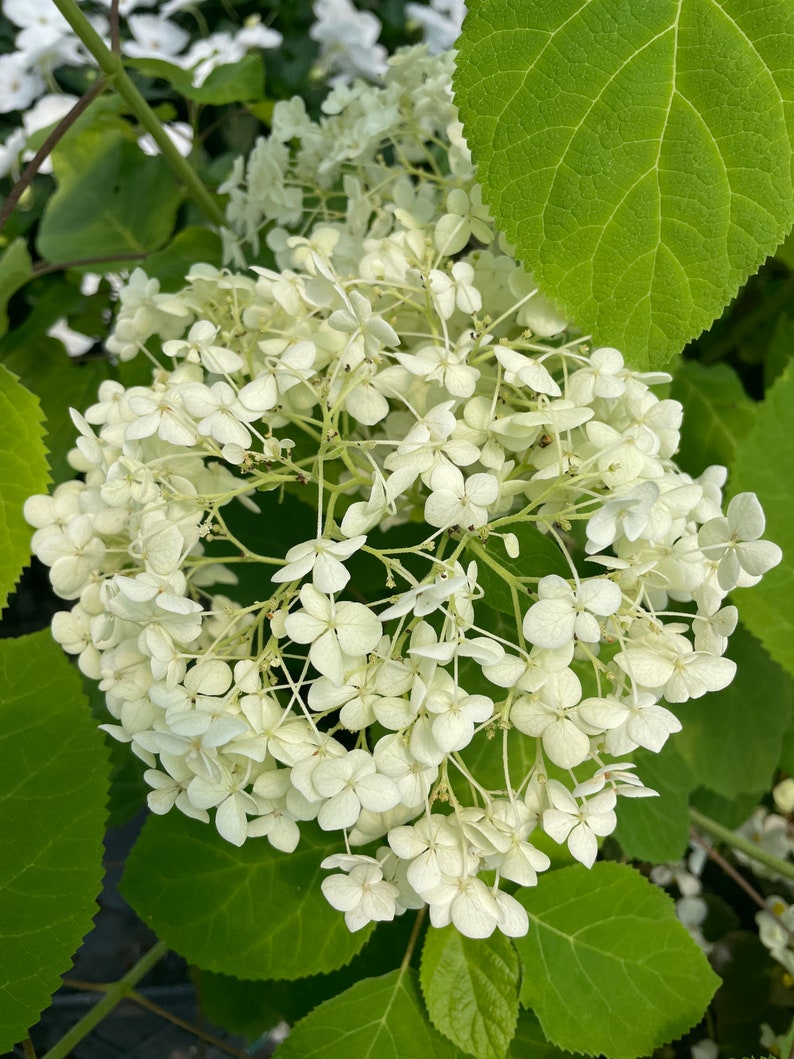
x=23 y=471
x=606 y=966
x=252 y=1007
x=250 y=912
x=765 y=465
x=785 y=252
x=780 y=349
x=16 y=269
x=381 y=1017
x=657 y=829
x=539 y=555
x=111 y=199
x=240 y=82
x=191 y=245
x=613 y=146
x=717 y=414
x=470 y=986
x=732 y=738
x=530 y=1042
x=730 y=812
x=60 y=383
x=240 y=1005
x=52 y=814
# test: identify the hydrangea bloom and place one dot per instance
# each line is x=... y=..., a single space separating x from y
x=545 y=574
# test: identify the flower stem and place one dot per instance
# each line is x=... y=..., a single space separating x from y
x=111 y=66
x=730 y=838
x=114 y=995
x=420 y=918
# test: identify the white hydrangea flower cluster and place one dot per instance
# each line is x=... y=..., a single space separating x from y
x=547 y=574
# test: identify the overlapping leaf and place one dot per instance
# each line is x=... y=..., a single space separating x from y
x=470 y=986
x=381 y=1017
x=606 y=966
x=614 y=149
x=52 y=814
x=251 y=912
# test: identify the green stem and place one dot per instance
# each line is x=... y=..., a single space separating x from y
x=730 y=838
x=114 y=995
x=111 y=66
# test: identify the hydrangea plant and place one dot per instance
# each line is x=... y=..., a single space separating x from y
x=542 y=577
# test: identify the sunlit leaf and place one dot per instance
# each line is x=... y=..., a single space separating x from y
x=470 y=986
x=606 y=965
x=614 y=148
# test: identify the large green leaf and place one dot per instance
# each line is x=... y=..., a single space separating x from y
x=657 y=829
x=250 y=912
x=52 y=814
x=614 y=148
x=379 y=1017
x=470 y=986
x=16 y=269
x=765 y=465
x=717 y=414
x=111 y=200
x=23 y=471
x=732 y=738
x=606 y=966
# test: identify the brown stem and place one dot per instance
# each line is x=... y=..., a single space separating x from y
x=44 y=151
x=28 y=1049
x=737 y=876
x=115 y=39
x=144 y=1002
x=114 y=994
x=417 y=927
